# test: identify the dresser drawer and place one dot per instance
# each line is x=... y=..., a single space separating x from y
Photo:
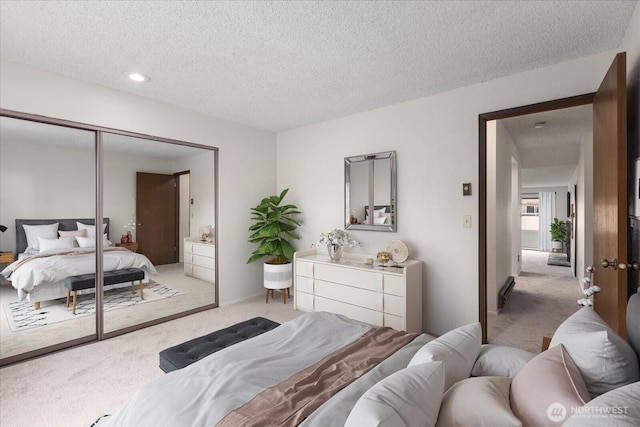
x=202 y=261
x=349 y=294
x=204 y=273
x=349 y=276
x=394 y=285
x=304 y=284
x=304 y=268
x=363 y=314
x=394 y=305
x=304 y=301
x=394 y=322
x=204 y=250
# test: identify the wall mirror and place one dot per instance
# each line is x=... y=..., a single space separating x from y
x=370 y=192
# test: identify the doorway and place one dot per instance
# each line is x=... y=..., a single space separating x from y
x=485 y=270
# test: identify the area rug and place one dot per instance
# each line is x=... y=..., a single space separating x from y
x=22 y=315
x=558 y=259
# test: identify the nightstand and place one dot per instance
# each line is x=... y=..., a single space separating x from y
x=133 y=246
x=6 y=257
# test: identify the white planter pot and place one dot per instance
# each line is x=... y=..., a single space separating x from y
x=278 y=276
x=556 y=246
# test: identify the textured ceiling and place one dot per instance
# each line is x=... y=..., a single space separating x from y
x=281 y=65
x=550 y=154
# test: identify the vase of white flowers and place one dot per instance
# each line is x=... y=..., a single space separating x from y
x=335 y=240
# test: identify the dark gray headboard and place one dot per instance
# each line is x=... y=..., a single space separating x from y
x=63 y=224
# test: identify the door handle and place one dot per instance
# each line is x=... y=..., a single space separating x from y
x=622 y=266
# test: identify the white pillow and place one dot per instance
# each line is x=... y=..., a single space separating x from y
x=377 y=213
x=616 y=408
x=500 y=361
x=481 y=401
x=86 y=242
x=48 y=231
x=90 y=242
x=51 y=244
x=458 y=349
x=409 y=397
x=606 y=361
x=380 y=220
x=73 y=233
x=91 y=229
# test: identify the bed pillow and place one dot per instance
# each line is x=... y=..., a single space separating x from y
x=499 y=360
x=606 y=361
x=73 y=233
x=409 y=397
x=548 y=388
x=478 y=401
x=52 y=244
x=32 y=232
x=616 y=408
x=90 y=242
x=633 y=323
x=458 y=349
x=91 y=229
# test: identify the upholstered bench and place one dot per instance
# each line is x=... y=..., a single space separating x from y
x=88 y=281
x=184 y=354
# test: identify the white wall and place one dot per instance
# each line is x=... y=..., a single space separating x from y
x=436 y=140
x=247 y=155
x=583 y=178
x=502 y=182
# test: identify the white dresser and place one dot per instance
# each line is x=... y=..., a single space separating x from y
x=199 y=259
x=381 y=296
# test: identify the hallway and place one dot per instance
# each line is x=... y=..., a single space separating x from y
x=543 y=297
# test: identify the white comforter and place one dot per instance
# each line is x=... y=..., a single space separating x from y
x=202 y=393
x=35 y=271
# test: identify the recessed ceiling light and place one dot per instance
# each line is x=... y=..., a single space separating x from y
x=139 y=77
x=539 y=125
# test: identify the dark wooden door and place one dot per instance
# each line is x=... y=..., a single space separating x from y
x=610 y=194
x=156 y=217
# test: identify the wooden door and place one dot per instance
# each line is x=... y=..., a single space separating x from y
x=610 y=194
x=156 y=217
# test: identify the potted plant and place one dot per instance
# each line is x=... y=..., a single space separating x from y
x=558 y=234
x=273 y=225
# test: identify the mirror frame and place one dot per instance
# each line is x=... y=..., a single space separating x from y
x=370 y=159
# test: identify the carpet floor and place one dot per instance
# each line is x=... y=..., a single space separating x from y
x=22 y=315
x=543 y=297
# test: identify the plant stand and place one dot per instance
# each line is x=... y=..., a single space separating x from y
x=280 y=277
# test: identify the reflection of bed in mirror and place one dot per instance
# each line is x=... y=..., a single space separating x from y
x=38 y=274
x=381 y=215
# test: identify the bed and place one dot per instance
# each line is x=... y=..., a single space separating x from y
x=203 y=393
x=38 y=275
x=286 y=377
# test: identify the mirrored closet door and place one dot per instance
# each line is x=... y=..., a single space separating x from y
x=159 y=197
x=152 y=259
x=47 y=182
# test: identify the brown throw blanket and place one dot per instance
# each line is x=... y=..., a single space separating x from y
x=293 y=400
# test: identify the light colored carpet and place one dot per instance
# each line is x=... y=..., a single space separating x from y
x=543 y=297
x=22 y=315
x=195 y=294
x=73 y=387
